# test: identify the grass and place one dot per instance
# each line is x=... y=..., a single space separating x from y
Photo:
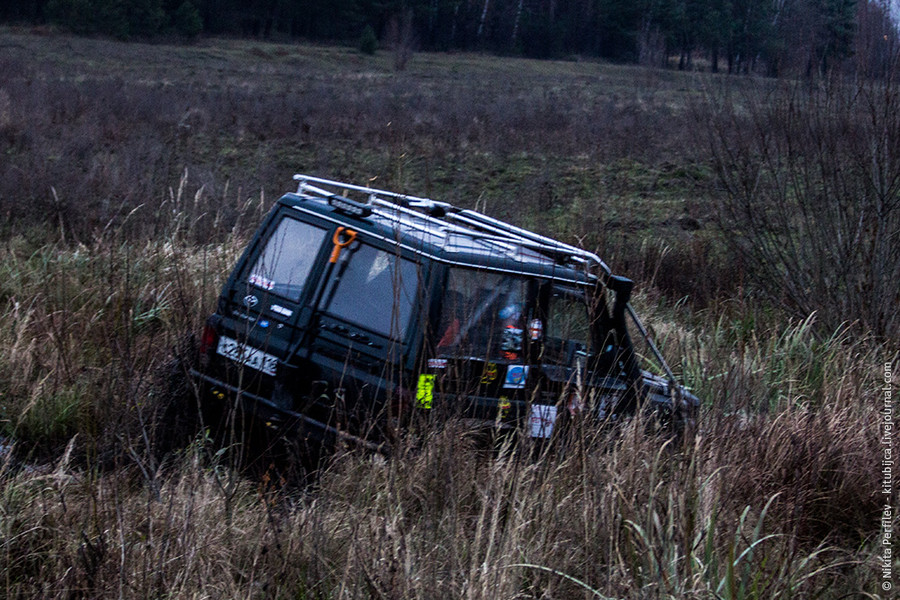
x=242 y=117
x=135 y=181
x=222 y=102
x=634 y=520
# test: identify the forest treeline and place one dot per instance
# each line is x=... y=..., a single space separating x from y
x=773 y=37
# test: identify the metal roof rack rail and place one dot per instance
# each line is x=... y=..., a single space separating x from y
x=497 y=227
x=403 y=200
x=455 y=220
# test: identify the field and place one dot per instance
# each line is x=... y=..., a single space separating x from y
x=131 y=177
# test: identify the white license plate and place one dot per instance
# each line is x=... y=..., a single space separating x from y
x=253 y=358
x=542 y=420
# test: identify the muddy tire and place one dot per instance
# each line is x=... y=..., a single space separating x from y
x=178 y=419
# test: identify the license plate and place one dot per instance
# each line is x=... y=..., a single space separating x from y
x=542 y=420
x=253 y=358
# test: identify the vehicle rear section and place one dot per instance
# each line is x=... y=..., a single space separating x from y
x=312 y=332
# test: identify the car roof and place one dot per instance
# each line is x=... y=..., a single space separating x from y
x=443 y=232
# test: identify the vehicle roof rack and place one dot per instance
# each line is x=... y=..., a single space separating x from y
x=428 y=214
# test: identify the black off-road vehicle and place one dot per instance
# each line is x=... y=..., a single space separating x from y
x=354 y=309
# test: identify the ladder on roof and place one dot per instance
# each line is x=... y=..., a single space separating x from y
x=465 y=220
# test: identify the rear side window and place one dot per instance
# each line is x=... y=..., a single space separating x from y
x=483 y=315
x=289 y=255
x=374 y=289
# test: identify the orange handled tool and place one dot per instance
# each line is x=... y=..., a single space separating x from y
x=343 y=237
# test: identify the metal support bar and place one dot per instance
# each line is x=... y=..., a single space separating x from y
x=673 y=383
x=530 y=235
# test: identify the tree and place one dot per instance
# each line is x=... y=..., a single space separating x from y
x=22 y=10
x=368 y=42
x=118 y=18
x=876 y=40
x=617 y=27
x=812 y=36
x=186 y=20
x=145 y=17
x=750 y=28
x=810 y=188
x=783 y=36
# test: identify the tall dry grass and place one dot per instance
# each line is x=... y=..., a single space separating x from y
x=92 y=129
x=88 y=327
x=109 y=258
x=775 y=496
x=743 y=511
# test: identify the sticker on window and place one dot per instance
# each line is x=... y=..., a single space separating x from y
x=260 y=281
x=379 y=265
x=516 y=376
x=490 y=373
x=503 y=407
x=425 y=391
x=535 y=329
x=278 y=309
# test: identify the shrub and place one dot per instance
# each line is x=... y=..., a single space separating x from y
x=368 y=42
x=187 y=21
x=809 y=179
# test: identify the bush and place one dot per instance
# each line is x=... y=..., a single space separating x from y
x=187 y=21
x=810 y=178
x=368 y=43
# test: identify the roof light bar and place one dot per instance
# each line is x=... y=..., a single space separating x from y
x=349 y=207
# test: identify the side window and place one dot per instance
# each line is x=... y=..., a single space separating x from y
x=568 y=329
x=287 y=259
x=482 y=315
x=374 y=289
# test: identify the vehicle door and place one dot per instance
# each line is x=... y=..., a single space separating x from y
x=266 y=305
x=564 y=354
x=367 y=308
x=481 y=367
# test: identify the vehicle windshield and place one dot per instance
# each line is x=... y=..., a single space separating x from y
x=290 y=253
x=483 y=315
